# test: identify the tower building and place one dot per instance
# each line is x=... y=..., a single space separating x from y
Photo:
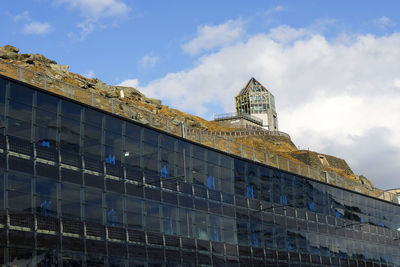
x=255 y=100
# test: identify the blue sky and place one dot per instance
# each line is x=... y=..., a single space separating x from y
x=333 y=66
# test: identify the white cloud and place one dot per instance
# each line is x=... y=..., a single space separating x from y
x=95 y=12
x=148 y=61
x=384 y=22
x=274 y=10
x=24 y=16
x=130 y=83
x=332 y=96
x=36 y=28
x=90 y=74
x=210 y=37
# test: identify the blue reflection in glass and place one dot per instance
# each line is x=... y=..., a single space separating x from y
x=110 y=159
x=164 y=172
x=254 y=239
x=283 y=200
x=312 y=206
x=215 y=233
x=250 y=191
x=168 y=226
x=338 y=214
x=211 y=182
x=44 y=143
x=112 y=216
x=45 y=207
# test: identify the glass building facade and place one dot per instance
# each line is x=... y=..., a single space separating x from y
x=82 y=187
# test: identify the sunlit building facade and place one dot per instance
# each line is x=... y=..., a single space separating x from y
x=83 y=187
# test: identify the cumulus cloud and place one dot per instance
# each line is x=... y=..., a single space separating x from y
x=334 y=96
x=148 y=61
x=95 y=12
x=210 y=37
x=37 y=28
x=130 y=83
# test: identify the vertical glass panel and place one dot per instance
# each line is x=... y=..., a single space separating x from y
x=93 y=207
x=3 y=84
x=167 y=163
x=70 y=110
x=150 y=157
x=167 y=142
x=255 y=233
x=215 y=228
x=252 y=181
x=243 y=232
x=1 y=189
x=198 y=171
x=185 y=222
x=46 y=136
x=183 y=160
x=70 y=134
x=133 y=131
x=70 y=200
x=93 y=117
x=150 y=136
x=132 y=151
x=20 y=111
x=228 y=228
x=240 y=179
x=265 y=185
x=114 y=209
x=47 y=102
x=170 y=218
x=200 y=227
x=113 y=124
x=20 y=194
x=21 y=129
x=134 y=212
x=92 y=141
x=21 y=93
x=212 y=176
x=46 y=197
x=153 y=216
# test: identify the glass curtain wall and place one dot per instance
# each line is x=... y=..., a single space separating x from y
x=82 y=187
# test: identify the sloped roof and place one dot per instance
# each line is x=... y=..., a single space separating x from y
x=252 y=85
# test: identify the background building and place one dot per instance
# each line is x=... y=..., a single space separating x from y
x=255 y=100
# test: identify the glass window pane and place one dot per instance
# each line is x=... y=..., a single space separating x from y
x=93 y=207
x=70 y=203
x=46 y=197
x=93 y=117
x=134 y=212
x=21 y=93
x=113 y=124
x=47 y=102
x=20 y=111
x=3 y=84
x=150 y=157
x=70 y=134
x=132 y=151
x=71 y=110
x=21 y=129
x=114 y=209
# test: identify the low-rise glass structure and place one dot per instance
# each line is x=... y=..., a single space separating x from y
x=83 y=187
